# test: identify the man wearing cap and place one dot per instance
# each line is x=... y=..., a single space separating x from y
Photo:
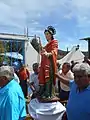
x=12 y=103
x=78 y=106
x=48 y=64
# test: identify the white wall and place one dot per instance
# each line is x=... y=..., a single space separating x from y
x=31 y=55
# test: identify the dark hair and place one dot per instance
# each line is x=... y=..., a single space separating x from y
x=35 y=65
x=52 y=38
x=68 y=65
x=51 y=30
x=72 y=61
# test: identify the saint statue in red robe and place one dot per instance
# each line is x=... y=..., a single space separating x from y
x=48 y=65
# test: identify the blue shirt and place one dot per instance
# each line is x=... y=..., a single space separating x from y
x=78 y=107
x=12 y=103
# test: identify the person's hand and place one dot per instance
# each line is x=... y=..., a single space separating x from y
x=61 y=74
x=57 y=75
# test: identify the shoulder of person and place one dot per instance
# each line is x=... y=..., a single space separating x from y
x=70 y=72
x=71 y=83
x=60 y=71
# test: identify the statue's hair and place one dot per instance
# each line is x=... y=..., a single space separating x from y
x=82 y=67
x=51 y=30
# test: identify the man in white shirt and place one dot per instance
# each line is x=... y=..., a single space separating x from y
x=66 y=73
x=34 y=82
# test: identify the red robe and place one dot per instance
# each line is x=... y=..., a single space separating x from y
x=44 y=72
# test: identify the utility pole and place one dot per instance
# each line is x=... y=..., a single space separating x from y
x=27 y=31
x=67 y=50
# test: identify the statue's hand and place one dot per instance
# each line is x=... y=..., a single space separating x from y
x=44 y=52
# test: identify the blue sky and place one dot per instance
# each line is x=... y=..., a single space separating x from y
x=71 y=18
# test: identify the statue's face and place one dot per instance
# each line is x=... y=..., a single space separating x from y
x=48 y=36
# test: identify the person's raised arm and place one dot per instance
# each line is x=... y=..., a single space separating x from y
x=62 y=79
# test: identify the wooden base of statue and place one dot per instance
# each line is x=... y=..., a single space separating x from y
x=48 y=100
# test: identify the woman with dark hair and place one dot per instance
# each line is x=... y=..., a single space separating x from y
x=48 y=64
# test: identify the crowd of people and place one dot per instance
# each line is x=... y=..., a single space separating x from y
x=73 y=84
x=77 y=107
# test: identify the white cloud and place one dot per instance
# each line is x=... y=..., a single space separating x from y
x=22 y=13
x=79 y=9
x=28 y=9
x=19 y=11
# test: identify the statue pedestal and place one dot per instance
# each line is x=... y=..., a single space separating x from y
x=46 y=111
x=48 y=100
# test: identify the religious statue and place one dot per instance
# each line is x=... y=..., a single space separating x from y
x=48 y=65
